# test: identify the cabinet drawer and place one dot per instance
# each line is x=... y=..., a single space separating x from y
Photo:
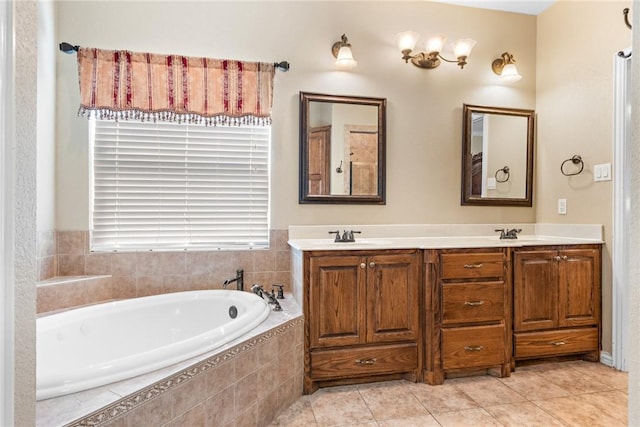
x=472 y=302
x=473 y=346
x=472 y=265
x=552 y=343
x=354 y=362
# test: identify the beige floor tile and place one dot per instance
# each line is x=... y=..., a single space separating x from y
x=442 y=398
x=586 y=410
x=335 y=406
x=533 y=385
x=522 y=414
x=422 y=421
x=487 y=391
x=602 y=373
x=469 y=417
x=299 y=414
x=574 y=381
x=391 y=400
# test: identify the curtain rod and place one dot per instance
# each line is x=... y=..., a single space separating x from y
x=69 y=48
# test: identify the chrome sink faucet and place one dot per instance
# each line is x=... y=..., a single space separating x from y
x=509 y=234
x=347 y=236
x=266 y=295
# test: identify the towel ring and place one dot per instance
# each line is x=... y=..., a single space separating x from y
x=505 y=171
x=576 y=160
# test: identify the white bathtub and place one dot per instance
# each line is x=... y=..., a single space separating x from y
x=96 y=345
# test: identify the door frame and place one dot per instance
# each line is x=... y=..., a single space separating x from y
x=621 y=214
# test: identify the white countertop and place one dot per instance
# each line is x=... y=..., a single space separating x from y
x=434 y=236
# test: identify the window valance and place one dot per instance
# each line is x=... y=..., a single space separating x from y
x=120 y=85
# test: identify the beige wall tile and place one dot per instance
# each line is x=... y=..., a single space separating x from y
x=246 y=363
x=248 y=416
x=220 y=378
x=148 y=285
x=123 y=264
x=189 y=394
x=195 y=417
x=123 y=287
x=47 y=267
x=70 y=265
x=156 y=412
x=246 y=392
x=174 y=283
x=97 y=263
x=265 y=260
x=149 y=264
x=173 y=262
x=220 y=409
x=199 y=262
x=71 y=242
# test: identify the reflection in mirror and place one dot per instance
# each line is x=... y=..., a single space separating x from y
x=342 y=147
x=497 y=160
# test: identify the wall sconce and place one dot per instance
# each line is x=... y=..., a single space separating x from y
x=431 y=58
x=505 y=67
x=342 y=52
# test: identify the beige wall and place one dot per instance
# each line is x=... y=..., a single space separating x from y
x=424 y=106
x=567 y=67
x=577 y=43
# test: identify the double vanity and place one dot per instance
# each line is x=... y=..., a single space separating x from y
x=455 y=300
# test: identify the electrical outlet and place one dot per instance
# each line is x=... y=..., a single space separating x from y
x=491 y=183
x=562 y=206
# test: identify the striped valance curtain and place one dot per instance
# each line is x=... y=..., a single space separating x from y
x=121 y=85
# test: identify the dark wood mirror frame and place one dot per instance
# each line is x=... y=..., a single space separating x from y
x=467 y=197
x=304 y=193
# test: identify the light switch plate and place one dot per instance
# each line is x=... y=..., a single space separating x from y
x=562 y=206
x=602 y=172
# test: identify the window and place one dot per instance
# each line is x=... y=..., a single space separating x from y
x=170 y=186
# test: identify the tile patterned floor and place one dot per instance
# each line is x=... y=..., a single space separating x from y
x=573 y=393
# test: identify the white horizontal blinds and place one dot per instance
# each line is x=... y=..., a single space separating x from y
x=175 y=186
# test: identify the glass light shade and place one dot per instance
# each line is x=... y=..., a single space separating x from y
x=435 y=43
x=407 y=40
x=345 y=58
x=510 y=74
x=463 y=47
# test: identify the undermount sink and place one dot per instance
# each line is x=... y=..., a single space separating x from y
x=358 y=242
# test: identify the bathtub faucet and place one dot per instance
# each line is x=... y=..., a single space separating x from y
x=239 y=279
x=269 y=297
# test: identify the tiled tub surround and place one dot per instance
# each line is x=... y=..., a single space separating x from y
x=248 y=382
x=136 y=274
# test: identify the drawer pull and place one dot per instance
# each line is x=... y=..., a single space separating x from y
x=479 y=265
x=556 y=343
x=473 y=303
x=473 y=348
x=364 y=362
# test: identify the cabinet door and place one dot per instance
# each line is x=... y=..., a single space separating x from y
x=579 y=287
x=392 y=295
x=337 y=301
x=535 y=290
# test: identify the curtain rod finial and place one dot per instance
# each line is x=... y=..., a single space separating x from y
x=68 y=47
x=282 y=65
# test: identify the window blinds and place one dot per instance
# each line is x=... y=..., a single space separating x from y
x=176 y=186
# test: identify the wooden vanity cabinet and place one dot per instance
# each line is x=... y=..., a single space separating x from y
x=557 y=301
x=361 y=314
x=468 y=311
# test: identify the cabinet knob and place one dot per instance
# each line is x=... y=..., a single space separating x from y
x=473 y=347
x=473 y=303
x=363 y=265
x=364 y=362
x=558 y=258
x=372 y=264
x=564 y=257
x=479 y=265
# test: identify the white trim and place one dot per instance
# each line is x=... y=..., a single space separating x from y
x=621 y=214
x=606 y=359
x=7 y=51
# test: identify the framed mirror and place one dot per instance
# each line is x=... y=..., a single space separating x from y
x=497 y=156
x=342 y=149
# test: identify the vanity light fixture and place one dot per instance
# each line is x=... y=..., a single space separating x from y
x=342 y=52
x=505 y=67
x=431 y=58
